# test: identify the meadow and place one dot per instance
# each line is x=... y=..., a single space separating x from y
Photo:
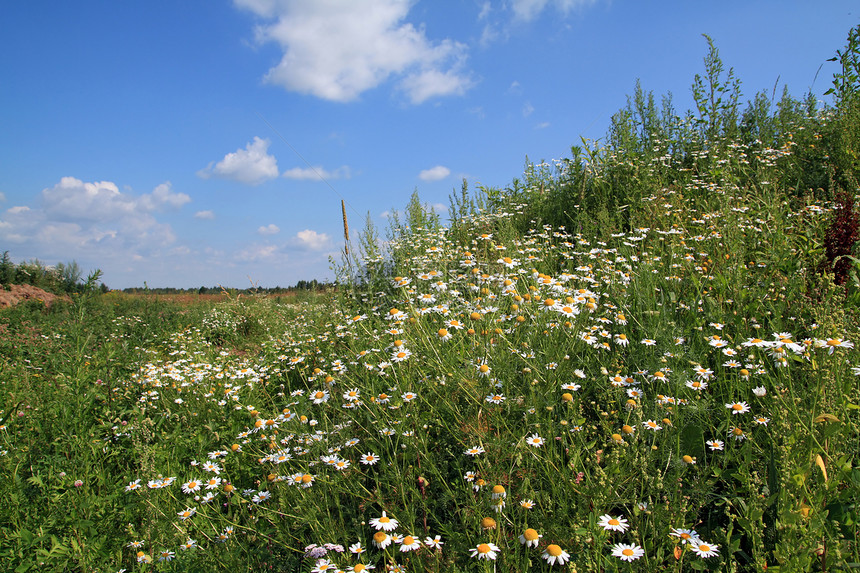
x=638 y=358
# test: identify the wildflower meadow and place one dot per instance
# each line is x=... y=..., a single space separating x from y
x=641 y=357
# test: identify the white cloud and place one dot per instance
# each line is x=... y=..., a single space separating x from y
x=311 y=240
x=163 y=197
x=271 y=229
x=259 y=253
x=542 y=125
x=2 y=197
x=252 y=165
x=77 y=219
x=74 y=200
x=529 y=9
x=337 y=50
x=434 y=173
x=528 y=109
x=430 y=83
x=490 y=32
x=314 y=173
x=489 y=35
x=206 y=215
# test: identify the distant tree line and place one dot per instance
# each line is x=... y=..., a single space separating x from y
x=62 y=278
x=68 y=278
x=301 y=286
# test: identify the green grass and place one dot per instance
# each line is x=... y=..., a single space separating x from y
x=681 y=363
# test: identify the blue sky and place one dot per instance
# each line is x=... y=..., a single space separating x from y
x=171 y=142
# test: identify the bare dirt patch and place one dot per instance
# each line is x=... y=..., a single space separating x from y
x=14 y=294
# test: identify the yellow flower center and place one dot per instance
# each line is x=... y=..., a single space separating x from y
x=614 y=521
x=553 y=550
x=408 y=540
x=443 y=332
x=319 y=395
x=530 y=534
x=737 y=407
x=483 y=548
x=380 y=536
x=627 y=552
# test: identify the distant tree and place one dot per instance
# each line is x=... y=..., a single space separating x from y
x=7 y=269
x=69 y=276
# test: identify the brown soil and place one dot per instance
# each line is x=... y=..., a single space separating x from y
x=20 y=293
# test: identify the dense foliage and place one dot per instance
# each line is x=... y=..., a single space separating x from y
x=62 y=278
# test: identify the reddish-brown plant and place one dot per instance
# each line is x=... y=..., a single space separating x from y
x=841 y=236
